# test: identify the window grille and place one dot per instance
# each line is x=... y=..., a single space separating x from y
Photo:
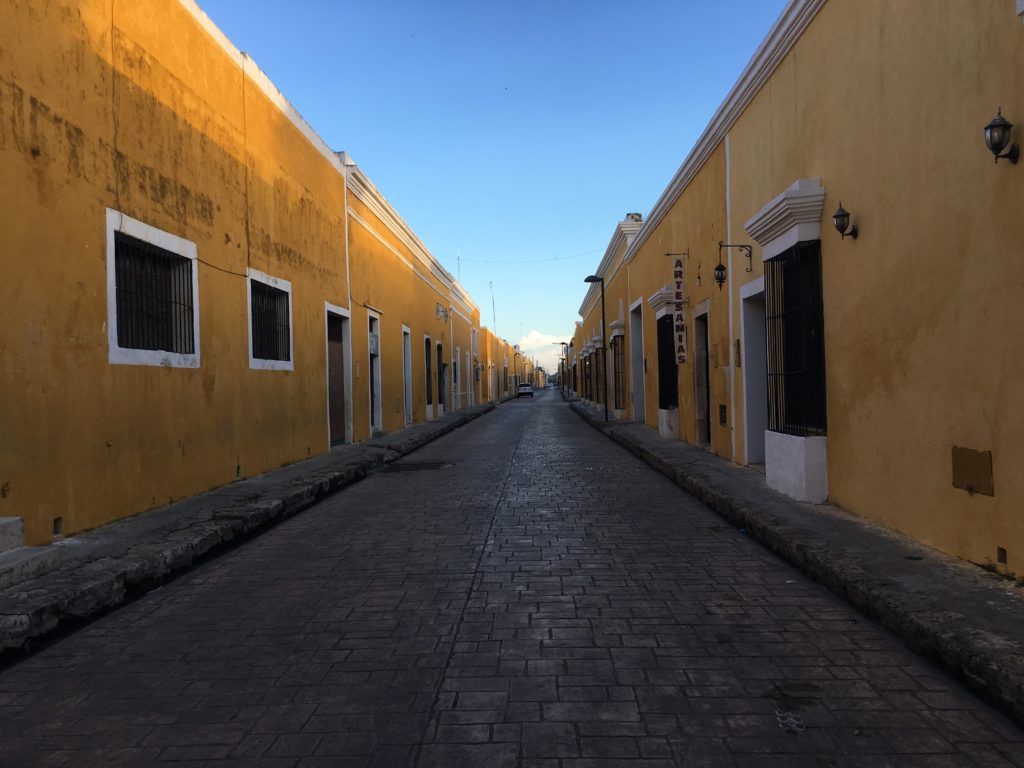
x=600 y=370
x=154 y=297
x=271 y=336
x=668 y=373
x=619 y=364
x=795 y=329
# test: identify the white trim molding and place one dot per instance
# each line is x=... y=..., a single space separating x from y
x=116 y=354
x=795 y=18
x=346 y=336
x=792 y=217
x=258 y=363
x=797 y=466
x=752 y=288
x=259 y=78
x=660 y=301
x=623 y=235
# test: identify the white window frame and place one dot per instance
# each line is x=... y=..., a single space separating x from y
x=374 y=372
x=258 y=363
x=116 y=354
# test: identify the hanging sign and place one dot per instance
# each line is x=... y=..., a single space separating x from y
x=678 y=318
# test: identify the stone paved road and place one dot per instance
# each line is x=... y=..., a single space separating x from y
x=524 y=594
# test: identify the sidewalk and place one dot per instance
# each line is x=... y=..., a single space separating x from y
x=105 y=567
x=961 y=617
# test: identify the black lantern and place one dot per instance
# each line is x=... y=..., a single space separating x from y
x=997 y=137
x=720 y=274
x=841 y=218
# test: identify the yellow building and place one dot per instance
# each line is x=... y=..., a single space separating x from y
x=202 y=290
x=417 y=343
x=882 y=371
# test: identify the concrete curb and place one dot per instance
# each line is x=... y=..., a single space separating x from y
x=106 y=567
x=965 y=619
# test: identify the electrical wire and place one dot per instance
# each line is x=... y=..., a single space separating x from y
x=535 y=261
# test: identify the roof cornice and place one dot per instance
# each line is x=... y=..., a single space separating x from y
x=623 y=235
x=259 y=78
x=783 y=35
x=361 y=186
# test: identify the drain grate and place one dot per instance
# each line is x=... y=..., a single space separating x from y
x=791 y=722
x=416 y=466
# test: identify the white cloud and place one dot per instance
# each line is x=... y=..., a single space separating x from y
x=546 y=348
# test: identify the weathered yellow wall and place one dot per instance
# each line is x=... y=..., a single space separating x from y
x=886 y=103
x=165 y=128
x=406 y=293
x=695 y=222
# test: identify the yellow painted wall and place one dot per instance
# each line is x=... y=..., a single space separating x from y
x=163 y=123
x=165 y=128
x=886 y=103
x=387 y=276
x=695 y=222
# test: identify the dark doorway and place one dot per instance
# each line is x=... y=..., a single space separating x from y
x=336 y=377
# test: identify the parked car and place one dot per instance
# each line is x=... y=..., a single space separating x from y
x=524 y=390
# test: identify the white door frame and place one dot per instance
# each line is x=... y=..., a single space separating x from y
x=428 y=377
x=637 y=375
x=346 y=337
x=407 y=373
x=753 y=348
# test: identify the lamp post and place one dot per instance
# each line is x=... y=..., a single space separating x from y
x=515 y=370
x=604 y=344
x=565 y=368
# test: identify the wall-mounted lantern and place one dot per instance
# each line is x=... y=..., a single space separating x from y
x=746 y=250
x=720 y=274
x=997 y=137
x=841 y=219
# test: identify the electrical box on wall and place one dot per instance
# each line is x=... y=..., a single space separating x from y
x=972 y=471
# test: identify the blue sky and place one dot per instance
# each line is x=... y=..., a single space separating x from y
x=511 y=135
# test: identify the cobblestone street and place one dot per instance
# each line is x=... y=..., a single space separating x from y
x=545 y=601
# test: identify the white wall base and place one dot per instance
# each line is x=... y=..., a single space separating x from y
x=797 y=466
x=668 y=423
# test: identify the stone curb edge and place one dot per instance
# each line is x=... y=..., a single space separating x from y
x=75 y=594
x=969 y=653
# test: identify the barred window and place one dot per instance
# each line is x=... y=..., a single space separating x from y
x=154 y=297
x=796 y=341
x=152 y=308
x=270 y=332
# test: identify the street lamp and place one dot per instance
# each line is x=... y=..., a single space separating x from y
x=565 y=367
x=515 y=370
x=604 y=344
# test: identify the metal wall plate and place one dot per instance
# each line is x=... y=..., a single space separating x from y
x=972 y=471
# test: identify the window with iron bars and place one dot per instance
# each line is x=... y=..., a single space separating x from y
x=599 y=374
x=153 y=288
x=271 y=332
x=619 y=372
x=795 y=329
